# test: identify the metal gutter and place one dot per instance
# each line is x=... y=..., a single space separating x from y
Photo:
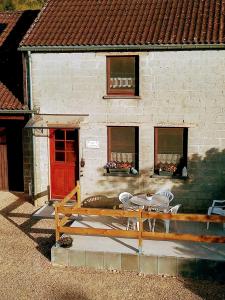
x=17 y=111
x=120 y=47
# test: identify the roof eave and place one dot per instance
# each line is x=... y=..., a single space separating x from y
x=87 y=48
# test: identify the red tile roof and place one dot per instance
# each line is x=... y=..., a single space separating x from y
x=8 y=21
x=8 y=101
x=128 y=22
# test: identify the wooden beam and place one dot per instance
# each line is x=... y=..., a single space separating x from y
x=12 y=117
x=183 y=217
x=183 y=237
x=99 y=212
x=99 y=231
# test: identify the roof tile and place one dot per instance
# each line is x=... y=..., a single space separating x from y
x=128 y=22
x=8 y=21
x=7 y=100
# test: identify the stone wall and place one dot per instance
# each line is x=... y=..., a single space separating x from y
x=28 y=161
x=177 y=88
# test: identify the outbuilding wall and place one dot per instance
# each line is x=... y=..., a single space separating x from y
x=177 y=88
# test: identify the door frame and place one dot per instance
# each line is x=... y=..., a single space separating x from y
x=77 y=167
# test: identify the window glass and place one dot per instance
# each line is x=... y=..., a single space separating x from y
x=123 y=145
x=59 y=145
x=59 y=134
x=122 y=75
x=59 y=156
x=70 y=135
x=70 y=156
x=170 y=150
x=70 y=145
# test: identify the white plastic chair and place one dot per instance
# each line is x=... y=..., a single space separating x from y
x=124 y=199
x=173 y=210
x=167 y=194
x=218 y=209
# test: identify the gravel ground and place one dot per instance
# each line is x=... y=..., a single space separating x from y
x=26 y=271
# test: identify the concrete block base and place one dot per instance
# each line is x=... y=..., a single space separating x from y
x=146 y=264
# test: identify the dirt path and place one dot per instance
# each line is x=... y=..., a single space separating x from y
x=26 y=271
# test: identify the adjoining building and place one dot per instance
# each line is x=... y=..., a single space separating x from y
x=14 y=111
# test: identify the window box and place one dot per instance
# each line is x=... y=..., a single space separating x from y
x=119 y=171
x=165 y=173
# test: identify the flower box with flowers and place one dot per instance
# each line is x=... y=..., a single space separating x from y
x=166 y=169
x=116 y=167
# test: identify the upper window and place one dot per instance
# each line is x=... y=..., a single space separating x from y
x=122 y=75
x=123 y=145
x=170 y=150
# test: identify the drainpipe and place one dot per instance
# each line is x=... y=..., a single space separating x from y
x=30 y=97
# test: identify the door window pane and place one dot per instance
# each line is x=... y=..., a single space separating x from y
x=69 y=146
x=59 y=156
x=59 y=134
x=59 y=145
x=70 y=135
x=70 y=156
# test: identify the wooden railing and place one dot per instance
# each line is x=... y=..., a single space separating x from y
x=60 y=222
x=67 y=211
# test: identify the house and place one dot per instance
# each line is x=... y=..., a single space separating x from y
x=14 y=111
x=137 y=82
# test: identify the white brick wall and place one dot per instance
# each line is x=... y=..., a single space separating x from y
x=183 y=88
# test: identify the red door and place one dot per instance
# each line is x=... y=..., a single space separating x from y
x=63 y=161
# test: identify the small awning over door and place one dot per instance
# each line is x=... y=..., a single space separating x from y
x=56 y=121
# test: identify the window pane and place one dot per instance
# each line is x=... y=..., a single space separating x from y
x=59 y=156
x=122 y=145
x=59 y=134
x=70 y=156
x=170 y=149
x=122 y=73
x=59 y=145
x=170 y=140
x=69 y=145
x=70 y=135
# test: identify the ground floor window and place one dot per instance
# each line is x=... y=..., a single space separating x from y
x=123 y=144
x=170 y=150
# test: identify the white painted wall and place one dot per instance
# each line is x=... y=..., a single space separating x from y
x=177 y=88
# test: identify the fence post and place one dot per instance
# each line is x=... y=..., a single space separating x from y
x=140 y=231
x=57 y=235
x=78 y=194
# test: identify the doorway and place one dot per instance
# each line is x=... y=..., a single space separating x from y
x=64 y=158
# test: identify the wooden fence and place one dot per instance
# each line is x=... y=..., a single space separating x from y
x=63 y=214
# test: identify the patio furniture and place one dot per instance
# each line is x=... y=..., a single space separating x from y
x=173 y=210
x=166 y=193
x=127 y=205
x=156 y=203
x=218 y=208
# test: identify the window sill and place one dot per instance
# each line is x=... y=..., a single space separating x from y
x=121 y=97
x=121 y=175
x=169 y=177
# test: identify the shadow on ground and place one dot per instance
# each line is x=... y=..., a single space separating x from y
x=43 y=237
